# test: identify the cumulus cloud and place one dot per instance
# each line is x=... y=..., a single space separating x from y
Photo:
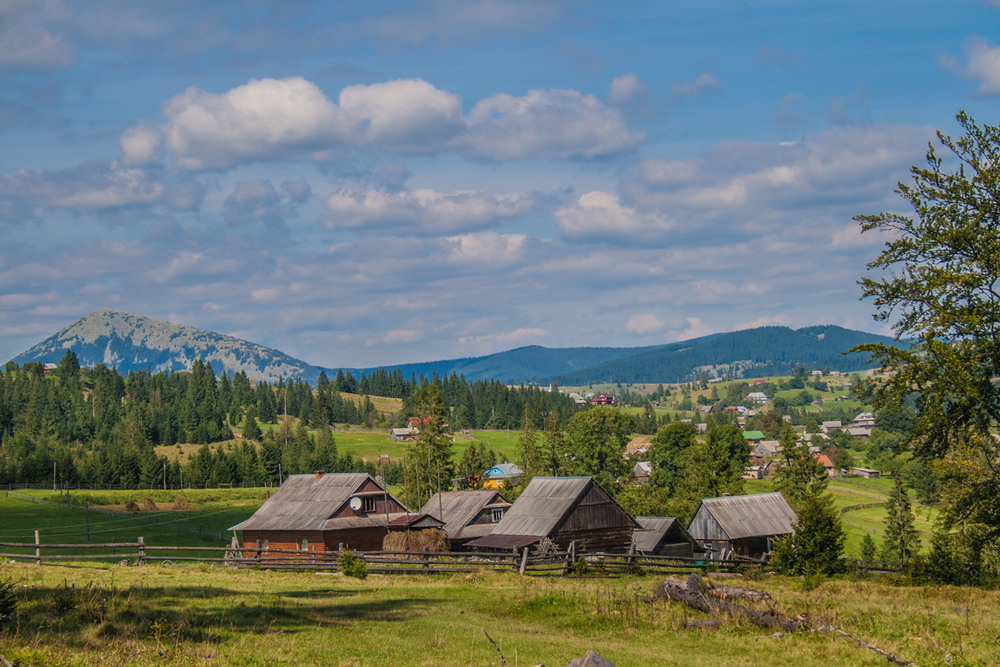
x=600 y=216
x=484 y=249
x=405 y=115
x=644 y=324
x=93 y=186
x=705 y=84
x=547 y=123
x=253 y=202
x=32 y=37
x=141 y=145
x=424 y=211
x=983 y=65
x=270 y=119
x=263 y=119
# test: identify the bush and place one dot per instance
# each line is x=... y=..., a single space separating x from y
x=8 y=602
x=352 y=565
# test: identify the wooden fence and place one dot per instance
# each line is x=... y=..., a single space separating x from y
x=139 y=553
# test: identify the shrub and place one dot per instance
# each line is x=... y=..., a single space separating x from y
x=352 y=565
x=8 y=602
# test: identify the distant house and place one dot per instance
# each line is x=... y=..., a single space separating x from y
x=603 y=399
x=663 y=536
x=828 y=426
x=498 y=475
x=866 y=472
x=404 y=434
x=753 y=472
x=48 y=368
x=753 y=437
x=756 y=397
x=638 y=446
x=566 y=510
x=864 y=419
x=741 y=525
x=642 y=470
x=324 y=512
x=467 y=514
x=827 y=464
x=767 y=449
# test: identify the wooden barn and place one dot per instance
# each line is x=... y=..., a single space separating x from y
x=467 y=514
x=663 y=536
x=741 y=525
x=565 y=510
x=324 y=512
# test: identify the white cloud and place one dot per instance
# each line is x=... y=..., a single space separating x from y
x=263 y=119
x=625 y=89
x=405 y=115
x=645 y=323
x=600 y=215
x=705 y=84
x=141 y=145
x=484 y=249
x=547 y=123
x=984 y=65
x=32 y=38
x=516 y=338
x=92 y=186
x=424 y=211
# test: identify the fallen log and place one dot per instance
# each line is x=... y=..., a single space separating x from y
x=704 y=596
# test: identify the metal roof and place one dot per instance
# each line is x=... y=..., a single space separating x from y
x=542 y=506
x=751 y=516
x=304 y=502
x=648 y=538
x=458 y=508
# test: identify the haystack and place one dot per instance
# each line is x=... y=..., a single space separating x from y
x=181 y=503
x=148 y=505
x=131 y=506
x=434 y=539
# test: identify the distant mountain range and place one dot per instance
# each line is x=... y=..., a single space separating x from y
x=132 y=342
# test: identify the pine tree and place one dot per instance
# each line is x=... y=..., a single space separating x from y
x=817 y=543
x=800 y=475
x=869 y=550
x=901 y=541
x=428 y=462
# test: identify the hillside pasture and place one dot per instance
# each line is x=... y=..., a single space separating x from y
x=203 y=615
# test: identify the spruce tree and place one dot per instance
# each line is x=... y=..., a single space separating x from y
x=901 y=540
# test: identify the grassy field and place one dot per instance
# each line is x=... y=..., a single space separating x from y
x=200 y=615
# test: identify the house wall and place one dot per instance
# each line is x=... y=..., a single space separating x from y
x=596 y=524
x=704 y=527
x=357 y=539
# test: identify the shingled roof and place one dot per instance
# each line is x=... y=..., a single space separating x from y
x=307 y=502
x=756 y=515
x=458 y=508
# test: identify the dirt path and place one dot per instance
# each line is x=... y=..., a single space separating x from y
x=866 y=494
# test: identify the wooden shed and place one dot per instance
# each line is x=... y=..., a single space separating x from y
x=324 y=512
x=565 y=510
x=663 y=536
x=741 y=525
x=467 y=514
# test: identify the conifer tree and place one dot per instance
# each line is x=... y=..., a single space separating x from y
x=901 y=541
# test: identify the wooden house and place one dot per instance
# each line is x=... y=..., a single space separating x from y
x=500 y=474
x=866 y=472
x=741 y=525
x=467 y=514
x=565 y=510
x=663 y=536
x=326 y=512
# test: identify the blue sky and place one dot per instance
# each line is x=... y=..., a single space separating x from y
x=365 y=183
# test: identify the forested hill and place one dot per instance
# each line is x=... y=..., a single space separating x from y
x=131 y=342
x=748 y=353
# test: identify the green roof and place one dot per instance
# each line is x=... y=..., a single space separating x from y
x=753 y=435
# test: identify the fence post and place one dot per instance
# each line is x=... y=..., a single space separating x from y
x=631 y=555
x=426 y=558
x=142 y=552
x=524 y=561
x=258 y=553
x=570 y=556
x=38 y=549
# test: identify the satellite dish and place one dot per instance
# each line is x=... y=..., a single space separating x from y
x=355 y=503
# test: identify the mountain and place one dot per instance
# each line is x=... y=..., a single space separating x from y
x=132 y=342
x=746 y=353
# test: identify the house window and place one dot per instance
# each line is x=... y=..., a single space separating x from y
x=368 y=504
x=497 y=514
x=304 y=544
x=264 y=544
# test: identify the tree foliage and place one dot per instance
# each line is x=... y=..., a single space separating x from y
x=936 y=281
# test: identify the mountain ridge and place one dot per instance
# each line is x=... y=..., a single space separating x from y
x=133 y=342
